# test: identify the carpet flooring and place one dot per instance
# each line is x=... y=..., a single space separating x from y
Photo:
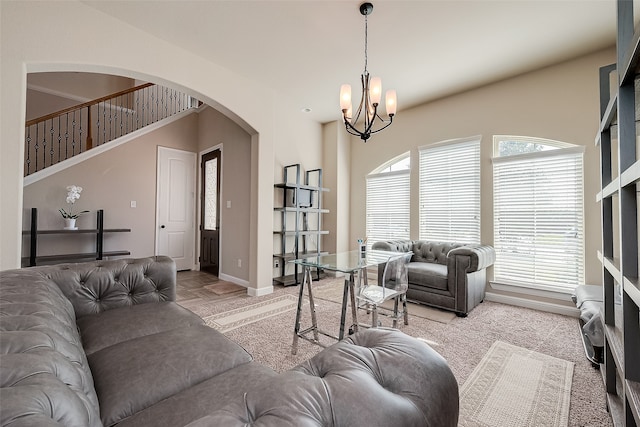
x=463 y=342
x=332 y=290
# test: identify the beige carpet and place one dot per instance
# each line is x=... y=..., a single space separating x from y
x=232 y=319
x=513 y=386
x=463 y=342
x=332 y=290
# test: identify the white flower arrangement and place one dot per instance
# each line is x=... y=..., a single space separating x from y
x=73 y=194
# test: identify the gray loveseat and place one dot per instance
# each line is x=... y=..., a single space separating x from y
x=104 y=343
x=446 y=275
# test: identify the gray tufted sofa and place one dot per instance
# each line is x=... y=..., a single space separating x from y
x=104 y=343
x=446 y=275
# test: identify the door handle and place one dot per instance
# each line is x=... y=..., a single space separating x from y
x=162 y=226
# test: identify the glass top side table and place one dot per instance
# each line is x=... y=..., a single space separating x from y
x=350 y=263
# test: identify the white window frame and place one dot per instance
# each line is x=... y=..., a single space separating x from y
x=388 y=204
x=535 y=253
x=449 y=182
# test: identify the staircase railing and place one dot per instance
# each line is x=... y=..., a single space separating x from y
x=66 y=133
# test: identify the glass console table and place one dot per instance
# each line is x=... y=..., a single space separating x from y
x=350 y=263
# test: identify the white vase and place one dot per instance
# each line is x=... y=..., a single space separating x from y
x=70 y=224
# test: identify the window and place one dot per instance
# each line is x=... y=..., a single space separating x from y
x=388 y=197
x=450 y=191
x=538 y=213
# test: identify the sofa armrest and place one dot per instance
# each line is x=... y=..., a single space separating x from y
x=93 y=287
x=377 y=377
x=481 y=256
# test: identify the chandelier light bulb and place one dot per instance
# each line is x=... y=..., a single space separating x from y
x=375 y=90
x=345 y=97
x=391 y=102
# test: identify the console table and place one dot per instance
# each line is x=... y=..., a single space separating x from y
x=33 y=259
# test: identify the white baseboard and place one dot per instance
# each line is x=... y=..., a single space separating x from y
x=258 y=292
x=253 y=292
x=233 y=279
x=536 y=305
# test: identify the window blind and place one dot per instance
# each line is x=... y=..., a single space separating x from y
x=450 y=192
x=388 y=198
x=538 y=218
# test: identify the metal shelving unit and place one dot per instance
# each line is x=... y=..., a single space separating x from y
x=300 y=215
x=620 y=174
x=34 y=259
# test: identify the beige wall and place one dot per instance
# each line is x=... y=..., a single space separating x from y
x=110 y=182
x=216 y=130
x=274 y=123
x=128 y=172
x=41 y=103
x=298 y=140
x=51 y=92
x=87 y=86
x=560 y=102
x=336 y=161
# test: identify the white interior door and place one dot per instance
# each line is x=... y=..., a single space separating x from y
x=175 y=233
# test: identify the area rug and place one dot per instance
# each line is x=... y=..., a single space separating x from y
x=513 y=386
x=232 y=319
x=333 y=289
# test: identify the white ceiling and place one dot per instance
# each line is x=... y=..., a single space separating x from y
x=424 y=49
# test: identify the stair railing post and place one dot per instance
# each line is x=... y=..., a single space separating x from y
x=89 y=144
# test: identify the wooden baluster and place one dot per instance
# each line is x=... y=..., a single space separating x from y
x=89 y=144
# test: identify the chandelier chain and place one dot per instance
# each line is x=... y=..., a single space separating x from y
x=366 y=58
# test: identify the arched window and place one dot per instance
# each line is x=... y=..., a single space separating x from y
x=388 y=197
x=538 y=213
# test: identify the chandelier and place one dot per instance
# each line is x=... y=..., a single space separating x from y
x=371 y=94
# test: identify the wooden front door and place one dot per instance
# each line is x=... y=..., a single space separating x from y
x=210 y=213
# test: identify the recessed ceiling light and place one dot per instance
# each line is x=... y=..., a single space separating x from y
x=306 y=110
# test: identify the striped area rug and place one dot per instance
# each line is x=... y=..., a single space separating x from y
x=513 y=386
x=233 y=319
